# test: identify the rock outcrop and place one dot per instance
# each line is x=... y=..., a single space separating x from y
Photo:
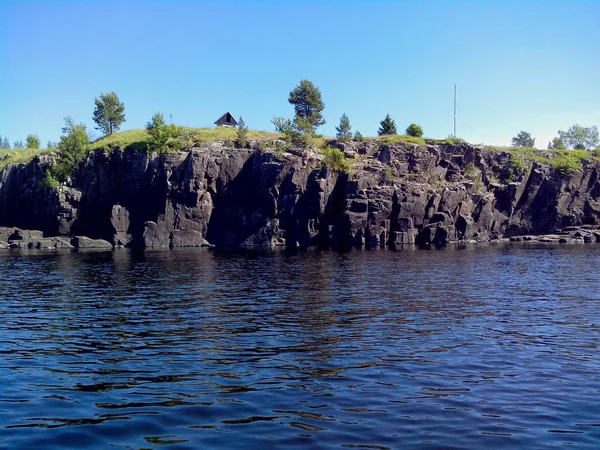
x=394 y=195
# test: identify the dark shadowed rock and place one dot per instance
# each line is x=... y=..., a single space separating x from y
x=396 y=194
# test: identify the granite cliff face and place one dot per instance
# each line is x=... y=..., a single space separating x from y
x=219 y=195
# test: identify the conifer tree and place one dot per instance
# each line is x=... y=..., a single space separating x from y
x=242 y=133
x=344 y=130
x=388 y=126
x=306 y=98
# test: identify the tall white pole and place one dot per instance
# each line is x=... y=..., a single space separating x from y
x=455 y=110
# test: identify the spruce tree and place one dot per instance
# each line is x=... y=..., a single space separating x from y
x=388 y=126
x=18 y=144
x=242 y=133
x=344 y=130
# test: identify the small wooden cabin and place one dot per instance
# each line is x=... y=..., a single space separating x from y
x=226 y=120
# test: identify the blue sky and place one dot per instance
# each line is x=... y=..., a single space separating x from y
x=518 y=65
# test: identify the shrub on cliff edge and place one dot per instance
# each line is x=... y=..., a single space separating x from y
x=73 y=148
x=160 y=133
x=414 y=130
x=335 y=160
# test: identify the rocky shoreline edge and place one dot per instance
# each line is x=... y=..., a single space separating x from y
x=12 y=238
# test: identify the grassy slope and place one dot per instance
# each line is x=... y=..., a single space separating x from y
x=19 y=155
x=562 y=159
x=141 y=137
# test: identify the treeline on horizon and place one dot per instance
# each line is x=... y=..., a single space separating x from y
x=109 y=115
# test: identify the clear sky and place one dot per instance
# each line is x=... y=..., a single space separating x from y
x=518 y=65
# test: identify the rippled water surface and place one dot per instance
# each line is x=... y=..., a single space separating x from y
x=486 y=346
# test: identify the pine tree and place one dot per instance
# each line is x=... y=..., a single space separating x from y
x=109 y=113
x=344 y=130
x=242 y=133
x=358 y=136
x=388 y=126
x=18 y=144
x=6 y=144
x=523 y=139
x=306 y=98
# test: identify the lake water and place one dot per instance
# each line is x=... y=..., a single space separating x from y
x=487 y=346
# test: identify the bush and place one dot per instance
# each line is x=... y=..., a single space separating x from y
x=471 y=171
x=161 y=133
x=516 y=168
x=33 y=141
x=414 y=130
x=335 y=160
x=565 y=165
x=49 y=181
x=297 y=131
x=73 y=148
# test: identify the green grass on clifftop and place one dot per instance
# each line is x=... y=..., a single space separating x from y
x=140 y=138
x=565 y=161
x=20 y=155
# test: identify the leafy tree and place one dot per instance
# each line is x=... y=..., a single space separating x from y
x=18 y=144
x=306 y=98
x=73 y=148
x=523 y=139
x=109 y=113
x=358 y=136
x=33 y=141
x=388 y=126
x=160 y=133
x=344 y=130
x=580 y=138
x=414 y=130
x=242 y=133
x=297 y=131
x=556 y=144
x=51 y=144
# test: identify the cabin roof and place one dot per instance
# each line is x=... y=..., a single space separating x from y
x=224 y=116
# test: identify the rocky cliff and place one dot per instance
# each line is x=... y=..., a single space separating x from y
x=394 y=194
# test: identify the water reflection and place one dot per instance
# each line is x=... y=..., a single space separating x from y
x=464 y=347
